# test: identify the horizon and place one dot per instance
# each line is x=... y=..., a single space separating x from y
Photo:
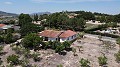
x=35 y=6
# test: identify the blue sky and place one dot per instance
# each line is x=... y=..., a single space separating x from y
x=31 y=6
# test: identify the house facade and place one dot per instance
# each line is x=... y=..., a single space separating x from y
x=68 y=36
x=52 y=35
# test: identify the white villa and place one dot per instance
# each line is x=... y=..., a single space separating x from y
x=52 y=35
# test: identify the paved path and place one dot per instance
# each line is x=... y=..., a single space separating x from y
x=103 y=37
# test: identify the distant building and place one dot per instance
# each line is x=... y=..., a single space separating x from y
x=4 y=27
x=1 y=27
x=52 y=35
x=95 y=22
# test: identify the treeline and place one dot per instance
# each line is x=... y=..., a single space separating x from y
x=98 y=16
x=62 y=21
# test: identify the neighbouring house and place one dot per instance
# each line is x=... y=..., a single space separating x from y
x=52 y=35
x=94 y=22
x=110 y=31
x=1 y=27
x=4 y=27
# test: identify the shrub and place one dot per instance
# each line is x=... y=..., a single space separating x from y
x=117 y=56
x=60 y=65
x=13 y=59
x=102 y=60
x=84 y=63
x=36 y=57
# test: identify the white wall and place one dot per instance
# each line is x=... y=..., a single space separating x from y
x=64 y=39
x=51 y=39
x=68 y=39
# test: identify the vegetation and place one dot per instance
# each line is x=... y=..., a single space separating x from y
x=60 y=65
x=13 y=59
x=102 y=60
x=74 y=51
x=117 y=56
x=1 y=39
x=36 y=17
x=31 y=41
x=84 y=63
x=1 y=48
x=25 y=21
x=62 y=21
x=118 y=42
x=36 y=57
x=8 y=38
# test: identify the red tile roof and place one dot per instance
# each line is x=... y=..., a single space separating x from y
x=67 y=33
x=50 y=33
x=1 y=25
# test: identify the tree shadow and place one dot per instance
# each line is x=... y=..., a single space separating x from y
x=63 y=53
x=3 y=53
x=68 y=49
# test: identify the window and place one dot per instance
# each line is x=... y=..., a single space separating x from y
x=68 y=38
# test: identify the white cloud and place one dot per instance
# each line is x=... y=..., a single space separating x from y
x=70 y=1
x=8 y=3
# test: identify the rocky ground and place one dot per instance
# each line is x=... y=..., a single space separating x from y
x=92 y=49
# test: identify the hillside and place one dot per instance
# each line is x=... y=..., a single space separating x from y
x=2 y=13
x=41 y=13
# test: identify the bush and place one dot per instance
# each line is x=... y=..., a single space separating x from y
x=1 y=39
x=60 y=65
x=117 y=56
x=102 y=60
x=66 y=44
x=84 y=63
x=18 y=50
x=36 y=57
x=1 y=48
x=13 y=59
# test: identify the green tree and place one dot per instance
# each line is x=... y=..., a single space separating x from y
x=8 y=38
x=1 y=39
x=30 y=28
x=84 y=63
x=59 y=48
x=117 y=18
x=10 y=30
x=31 y=41
x=36 y=17
x=24 y=18
x=80 y=24
x=102 y=60
x=66 y=44
x=55 y=44
x=13 y=59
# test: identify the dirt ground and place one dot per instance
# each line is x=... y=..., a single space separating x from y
x=91 y=50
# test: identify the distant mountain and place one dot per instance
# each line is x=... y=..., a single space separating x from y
x=7 y=14
x=41 y=13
